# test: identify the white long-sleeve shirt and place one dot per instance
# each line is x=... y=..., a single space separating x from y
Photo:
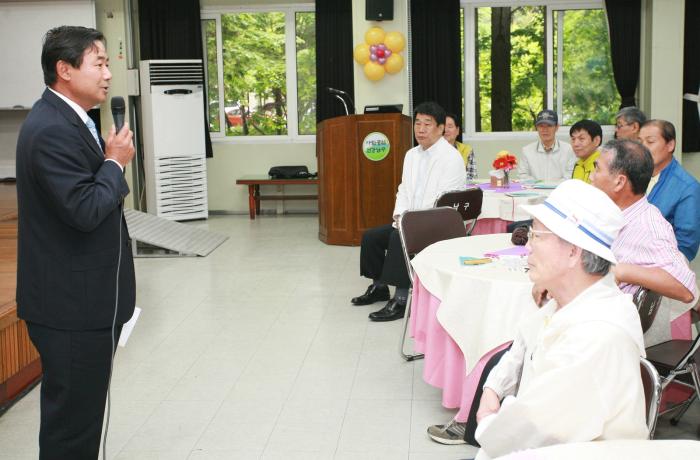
x=427 y=174
x=575 y=373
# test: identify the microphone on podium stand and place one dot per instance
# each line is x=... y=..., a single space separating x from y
x=344 y=98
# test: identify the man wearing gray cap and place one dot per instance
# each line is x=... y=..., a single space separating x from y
x=572 y=373
x=547 y=159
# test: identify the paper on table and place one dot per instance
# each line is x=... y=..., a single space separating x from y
x=520 y=194
x=128 y=327
x=467 y=260
x=513 y=251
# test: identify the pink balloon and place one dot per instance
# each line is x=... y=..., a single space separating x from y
x=372 y=57
x=381 y=60
x=387 y=52
x=373 y=49
x=382 y=46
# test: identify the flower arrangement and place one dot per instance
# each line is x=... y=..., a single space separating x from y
x=505 y=161
x=503 y=164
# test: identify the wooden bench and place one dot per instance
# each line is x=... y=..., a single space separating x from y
x=254 y=197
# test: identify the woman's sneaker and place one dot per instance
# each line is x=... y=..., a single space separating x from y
x=451 y=434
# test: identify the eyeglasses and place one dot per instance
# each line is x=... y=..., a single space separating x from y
x=532 y=234
x=620 y=126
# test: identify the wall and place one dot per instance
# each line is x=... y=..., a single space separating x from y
x=10 y=122
x=110 y=20
x=232 y=160
x=392 y=89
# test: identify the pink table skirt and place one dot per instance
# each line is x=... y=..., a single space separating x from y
x=490 y=226
x=445 y=365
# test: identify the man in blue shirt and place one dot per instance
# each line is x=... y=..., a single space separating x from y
x=672 y=189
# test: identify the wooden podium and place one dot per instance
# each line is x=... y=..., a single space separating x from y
x=355 y=192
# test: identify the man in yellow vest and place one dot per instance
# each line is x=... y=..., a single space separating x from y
x=586 y=136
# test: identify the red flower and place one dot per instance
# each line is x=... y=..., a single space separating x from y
x=505 y=161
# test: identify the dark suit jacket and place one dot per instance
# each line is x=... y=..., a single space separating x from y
x=70 y=224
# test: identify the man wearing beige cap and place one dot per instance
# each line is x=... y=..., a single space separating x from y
x=572 y=373
x=547 y=159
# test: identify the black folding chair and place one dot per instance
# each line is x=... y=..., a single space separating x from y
x=652 y=393
x=677 y=361
x=467 y=202
x=418 y=230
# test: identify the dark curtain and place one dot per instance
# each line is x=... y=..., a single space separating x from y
x=334 y=63
x=691 y=76
x=173 y=30
x=625 y=26
x=435 y=54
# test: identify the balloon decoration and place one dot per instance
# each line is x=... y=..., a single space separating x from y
x=379 y=54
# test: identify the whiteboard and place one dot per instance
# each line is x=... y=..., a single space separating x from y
x=22 y=29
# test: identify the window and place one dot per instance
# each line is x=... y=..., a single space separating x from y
x=539 y=54
x=261 y=65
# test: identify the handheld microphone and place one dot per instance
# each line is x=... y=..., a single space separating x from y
x=118 y=110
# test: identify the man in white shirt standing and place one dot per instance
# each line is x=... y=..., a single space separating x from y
x=429 y=169
x=547 y=159
x=572 y=373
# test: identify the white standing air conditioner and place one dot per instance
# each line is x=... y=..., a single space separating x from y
x=172 y=107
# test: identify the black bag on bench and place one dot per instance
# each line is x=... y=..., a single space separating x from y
x=290 y=172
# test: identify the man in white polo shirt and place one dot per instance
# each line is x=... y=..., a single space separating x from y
x=547 y=159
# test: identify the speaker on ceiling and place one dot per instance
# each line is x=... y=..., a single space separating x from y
x=379 y=10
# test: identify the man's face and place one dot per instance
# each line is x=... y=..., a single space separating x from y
x=547 y=261
x=451 y=130
x=624 y=130
x=661 y=151
x=583 y=144
x=601 y=177
x=426 y=130
x=89 y=84
x=547 y=132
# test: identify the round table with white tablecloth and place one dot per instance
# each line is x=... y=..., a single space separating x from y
x=480 y=305
x=501 y=206
x=478 y=308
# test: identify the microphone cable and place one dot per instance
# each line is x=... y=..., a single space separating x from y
x=114 y=323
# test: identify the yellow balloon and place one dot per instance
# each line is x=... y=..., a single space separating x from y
x=374 y=36
x=394 y=41
x=361 y=53
x=394 y=63
x=374 y=71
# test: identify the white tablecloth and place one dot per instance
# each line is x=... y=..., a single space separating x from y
x=501 y=206
x=480 y=305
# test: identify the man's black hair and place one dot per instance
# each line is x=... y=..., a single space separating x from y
x=633 y=160
x=432 y=109
x=591 y=127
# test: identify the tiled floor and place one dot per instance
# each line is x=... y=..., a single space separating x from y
x=255 y=352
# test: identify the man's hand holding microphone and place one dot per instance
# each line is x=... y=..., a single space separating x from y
x=119 y=146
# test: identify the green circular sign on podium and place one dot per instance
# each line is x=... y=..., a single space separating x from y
x=376 y=146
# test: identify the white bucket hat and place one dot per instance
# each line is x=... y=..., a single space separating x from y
x=582 y=215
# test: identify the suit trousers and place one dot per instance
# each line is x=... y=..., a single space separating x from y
x=381 y=257
x=76 y=366
x=470 y=428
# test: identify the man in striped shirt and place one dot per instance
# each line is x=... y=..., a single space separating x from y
x=646 y=248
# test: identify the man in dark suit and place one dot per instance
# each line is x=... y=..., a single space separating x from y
x=75 y=273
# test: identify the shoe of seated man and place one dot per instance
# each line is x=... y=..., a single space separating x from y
x=450 y=434
x=374 y=293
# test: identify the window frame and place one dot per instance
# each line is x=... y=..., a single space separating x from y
x=550 y=6
x=289 y=10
